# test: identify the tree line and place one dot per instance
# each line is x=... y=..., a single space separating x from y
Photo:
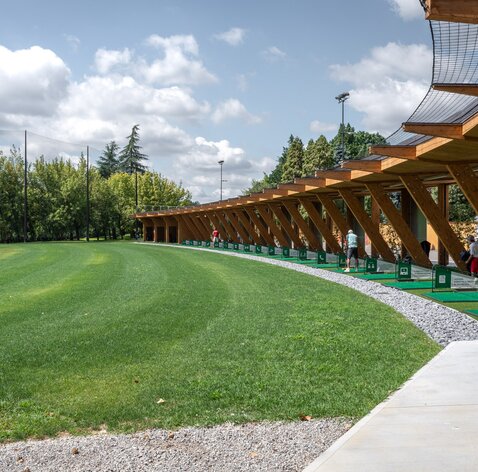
x=57 y=194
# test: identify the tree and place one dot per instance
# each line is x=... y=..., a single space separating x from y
x=108 y=163
x=295 y=156
x=131 y=156
x=317 y=155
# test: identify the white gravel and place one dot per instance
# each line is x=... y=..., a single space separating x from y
x=264 y=446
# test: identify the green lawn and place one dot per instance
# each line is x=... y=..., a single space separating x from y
x=94 y=335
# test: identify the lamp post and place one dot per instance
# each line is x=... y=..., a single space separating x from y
x=221 y=162
x=341 y=99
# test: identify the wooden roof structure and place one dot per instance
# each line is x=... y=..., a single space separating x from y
x=436 y=147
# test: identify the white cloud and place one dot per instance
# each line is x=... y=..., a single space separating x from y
x=320 y=127
x=179 y=65
x=388 y=84
x=233 y=37
x=274 y=54
x=203 y=176
x=407 y=9
x=32 y=81
x=233 y=109
x=106 y=60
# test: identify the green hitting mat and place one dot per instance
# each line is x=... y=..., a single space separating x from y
x=376 y=276
x=324 y=266
x=351 y=272
x=453 y=296
x=415 y=285
x=473 y=312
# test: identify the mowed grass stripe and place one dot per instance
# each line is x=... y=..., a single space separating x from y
x=218 y=338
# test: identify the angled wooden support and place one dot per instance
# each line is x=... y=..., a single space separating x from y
x=267 y=216
x=286 y=225
x=244 y=220
x=195 y=234
x=376 y=222
x=260 y=227
x=430 y=210
x=366 y=223
x=291 y=207
x=399 y=224
x=337 y=217
x=217 y=224
x=444 y=206
x=238 y=227
x=462 y=11
x=230 y=230
x=200 y=230
x=202 y=218
x=467 y=180
x=320 y=224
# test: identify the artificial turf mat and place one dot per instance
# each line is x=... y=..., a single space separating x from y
x=473 y=312
x=376 y=276
x=448 y=297
x=421 y=284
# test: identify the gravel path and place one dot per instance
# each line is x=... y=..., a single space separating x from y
x=265 y=446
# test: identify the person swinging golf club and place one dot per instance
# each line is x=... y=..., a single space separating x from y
x=352 y=250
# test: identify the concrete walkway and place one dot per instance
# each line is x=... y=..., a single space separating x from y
x=429 y=425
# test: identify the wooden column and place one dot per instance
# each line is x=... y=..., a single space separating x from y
x=291 y=207
x=356 y=207
x=244 y=220
x=375 y=222
x=467 y=180
x=321 y=225
x=246 y=238
x=337 y=217
x=260 y=227
x=432 y=213
x=409 y=241
x=155 y=232
x=443 y=205
x=286 y=226
x=166 y=230
x=266 y=215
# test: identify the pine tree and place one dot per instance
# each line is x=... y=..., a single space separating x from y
x=295 y=157
x=108 y=163
x=317 y=155
x=131 y=156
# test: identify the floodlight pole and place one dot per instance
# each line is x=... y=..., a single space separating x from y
x=341 y=99
x=221 y=164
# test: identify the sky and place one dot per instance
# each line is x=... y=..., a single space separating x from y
x=210 y=80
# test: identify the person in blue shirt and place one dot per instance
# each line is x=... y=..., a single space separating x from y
x=352 y=249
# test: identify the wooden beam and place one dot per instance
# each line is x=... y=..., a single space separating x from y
x=399 y=224
x=314 y=243
x=462 y=89
x=216 y=224
x=366 y=223
x=320 y=224
x=365 y=165
x=376 y=222
x=444 y=206
x=195 y=234
x=260 y=227
x=286 y=225
x=443 y=130
x=402 y=152
x=335 y=174
x=467 y=180
x=227 y=226
x=246 y=238
x=244 y=220
x=310 y=183
x=268 y=218
x=429 y=208
x=200 y=227
x=461 y=11
x=205 y=222
x=337 y=217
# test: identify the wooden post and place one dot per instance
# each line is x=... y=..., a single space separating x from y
x=227 y=225
x=443 y=205
x=244 y=220
x=218 y=225
x=238 y=227
x=375 y=222
x=467 y=180
x=432 y=213
x=399 y=224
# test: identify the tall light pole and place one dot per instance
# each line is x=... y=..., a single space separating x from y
x=341 y=99
x=221 y=162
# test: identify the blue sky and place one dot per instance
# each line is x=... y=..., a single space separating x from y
x=210 y=80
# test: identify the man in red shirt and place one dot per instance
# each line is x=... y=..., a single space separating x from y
x=215 y=236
